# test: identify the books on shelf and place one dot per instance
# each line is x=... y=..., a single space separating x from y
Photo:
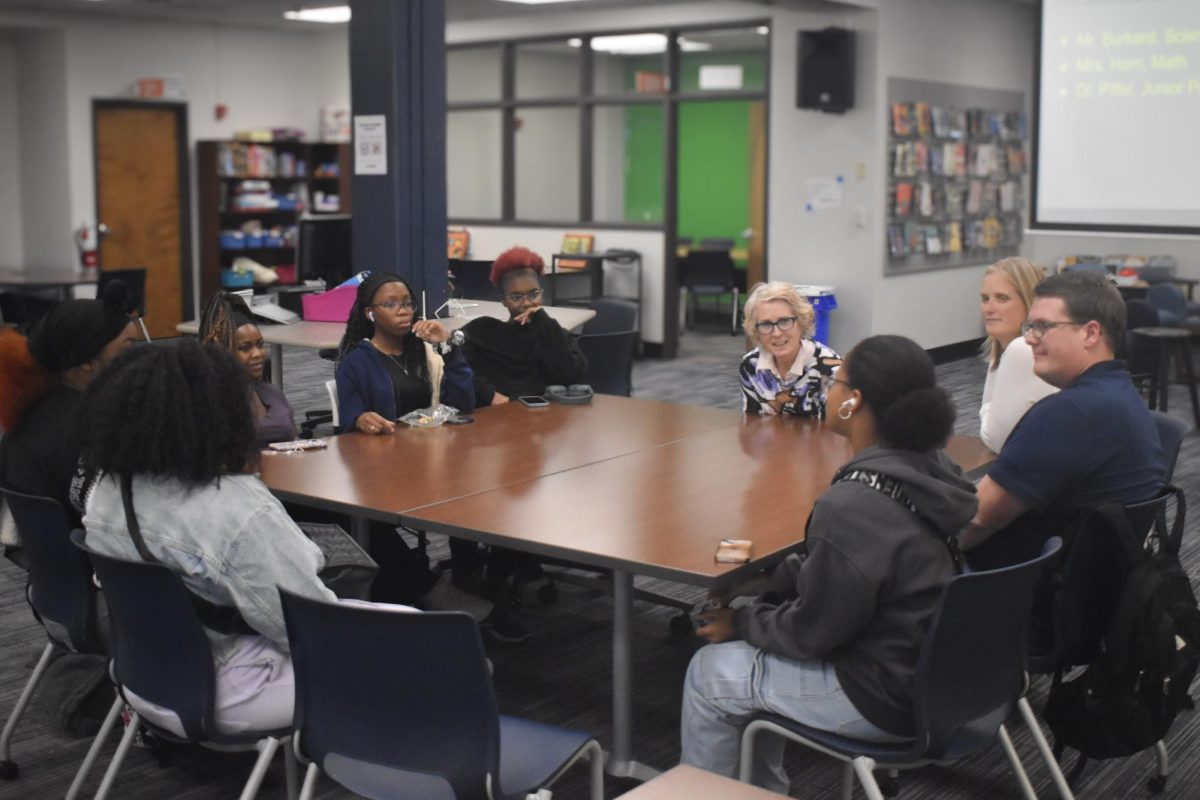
x=458 y=243
x=575 y=243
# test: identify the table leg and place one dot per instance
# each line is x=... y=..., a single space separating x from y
x=360 y=530
x=1185 y=352
x=620 y=760
x=277 y=366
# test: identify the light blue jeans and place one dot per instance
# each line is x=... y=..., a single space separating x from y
x=729 y=681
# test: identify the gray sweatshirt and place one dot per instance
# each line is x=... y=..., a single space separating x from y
x=863 y=596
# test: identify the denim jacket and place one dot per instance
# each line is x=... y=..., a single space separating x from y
x=230 y=541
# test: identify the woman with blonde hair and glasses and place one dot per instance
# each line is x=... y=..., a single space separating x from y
x=1011 y=388
x=788 y=371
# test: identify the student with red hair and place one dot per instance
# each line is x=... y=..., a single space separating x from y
x=530 y=350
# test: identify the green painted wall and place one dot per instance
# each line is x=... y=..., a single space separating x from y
x=714 y=152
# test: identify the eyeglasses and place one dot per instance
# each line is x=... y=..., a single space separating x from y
x=516 y=298
x=392 y=305
x=768 y=325
x=1037 y=329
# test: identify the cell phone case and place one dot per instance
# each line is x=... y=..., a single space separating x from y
x=734 y=551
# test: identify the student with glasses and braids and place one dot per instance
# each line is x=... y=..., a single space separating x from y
x=392 y=362
x=530 y=350
x=226 y=320
x=787 y=372
x=389 y=358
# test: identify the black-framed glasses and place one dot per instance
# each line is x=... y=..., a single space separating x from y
x=392 y=305
x=516 y=298
x=1037 y=329
x=768 y=325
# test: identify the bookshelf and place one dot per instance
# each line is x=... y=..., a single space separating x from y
x=250 y=195
x=957 y=165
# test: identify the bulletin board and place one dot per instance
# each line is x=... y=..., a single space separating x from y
x=957 y=164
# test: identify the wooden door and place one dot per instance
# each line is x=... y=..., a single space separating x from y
x=141 y=196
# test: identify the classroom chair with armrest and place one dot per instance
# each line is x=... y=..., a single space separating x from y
x=969 y=679
x=1170 y=434
x=1172 y=305
x=59 y=591
x=406 y=709
x=1139 y=352
x=319 y=417
x=160 y=653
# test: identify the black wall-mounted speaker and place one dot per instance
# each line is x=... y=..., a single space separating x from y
x=826 y=70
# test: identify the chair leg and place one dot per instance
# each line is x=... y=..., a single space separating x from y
x=110 y=722
x=11 y=726
x=848 y=780
x=1014 y=761
x=1031 y=721
x=747 y=755
x=266 y=751
x=290 y=769
x=866 y=776
x=310 y=782
x=110 y=774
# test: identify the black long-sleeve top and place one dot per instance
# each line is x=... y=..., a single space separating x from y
x=517 y=360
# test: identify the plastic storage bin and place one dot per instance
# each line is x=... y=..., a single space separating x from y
x=822 y=299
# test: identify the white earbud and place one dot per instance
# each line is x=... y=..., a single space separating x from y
x=846 y=409
x=371 y=316
x=851 y=402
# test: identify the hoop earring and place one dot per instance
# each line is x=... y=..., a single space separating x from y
x=846 y=410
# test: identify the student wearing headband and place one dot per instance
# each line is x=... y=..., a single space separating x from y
x=226 y=320
x=67 y=349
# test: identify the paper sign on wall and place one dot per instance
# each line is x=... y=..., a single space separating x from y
x=824 y=193
x=720 y=76
x=370 y=145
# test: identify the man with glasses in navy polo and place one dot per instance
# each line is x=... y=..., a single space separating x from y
x=1090 y=444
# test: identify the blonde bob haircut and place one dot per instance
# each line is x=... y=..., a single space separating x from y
x=778 y=290
x=1024 y=275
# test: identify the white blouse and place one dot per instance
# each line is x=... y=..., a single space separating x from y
x=1009 y=391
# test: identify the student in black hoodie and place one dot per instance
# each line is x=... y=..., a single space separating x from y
x=833 y=642
x=529 y=351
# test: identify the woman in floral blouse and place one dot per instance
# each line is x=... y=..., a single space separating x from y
x=788 y=372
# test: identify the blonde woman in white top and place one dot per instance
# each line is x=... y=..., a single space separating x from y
x=1010 y=388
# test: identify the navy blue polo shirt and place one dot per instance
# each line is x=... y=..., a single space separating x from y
x=1092 y=443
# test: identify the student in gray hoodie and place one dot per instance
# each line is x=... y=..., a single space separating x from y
x=833 y=641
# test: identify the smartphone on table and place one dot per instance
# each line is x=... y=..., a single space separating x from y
x=534 y=400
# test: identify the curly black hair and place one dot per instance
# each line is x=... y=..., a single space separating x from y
x=179 y=410
x=358 y=327
x=899 y=385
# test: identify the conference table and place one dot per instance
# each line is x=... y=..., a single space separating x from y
x=328 y=335
x=638 y=487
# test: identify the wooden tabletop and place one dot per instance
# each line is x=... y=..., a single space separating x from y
x=382 y=476
x=690 y=783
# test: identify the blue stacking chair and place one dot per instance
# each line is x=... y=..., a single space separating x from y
x=398 y=705
x=60 y=592
x=161 y=653
x=970 y=676
x=1170 y=434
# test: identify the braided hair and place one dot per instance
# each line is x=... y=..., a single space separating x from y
x=220 y=318
x=358 y=327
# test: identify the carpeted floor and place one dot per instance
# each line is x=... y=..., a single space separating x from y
x=562 y=675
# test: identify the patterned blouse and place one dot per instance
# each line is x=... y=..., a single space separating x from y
x=807 y=381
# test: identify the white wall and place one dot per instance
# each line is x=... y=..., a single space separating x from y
x=12 y=249
x=42 y=134
x=266 y=78
x=969 y=42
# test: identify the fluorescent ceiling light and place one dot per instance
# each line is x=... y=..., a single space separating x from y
x=327 y=14
x=537 y=2
x=636 y=44
x=762 y=30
